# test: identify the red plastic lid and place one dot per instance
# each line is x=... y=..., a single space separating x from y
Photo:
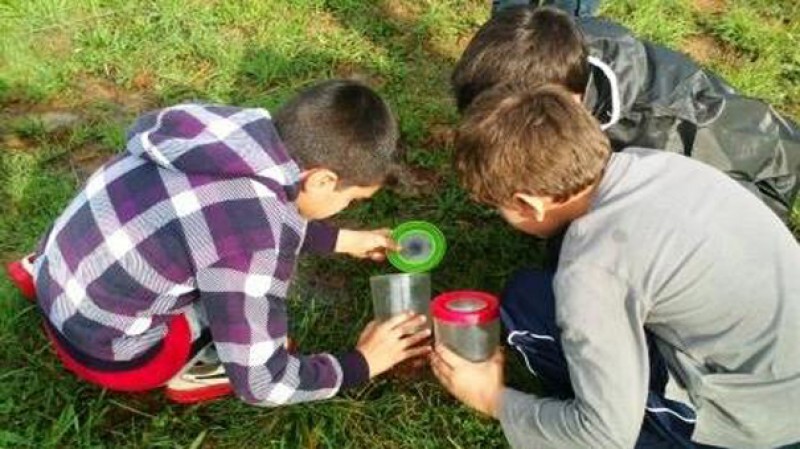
x=465 y=307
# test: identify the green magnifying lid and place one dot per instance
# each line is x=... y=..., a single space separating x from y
x=423 y=247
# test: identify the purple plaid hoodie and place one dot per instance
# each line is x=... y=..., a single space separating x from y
x=198 y=212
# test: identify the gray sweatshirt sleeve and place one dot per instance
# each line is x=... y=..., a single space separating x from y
x=604 y=343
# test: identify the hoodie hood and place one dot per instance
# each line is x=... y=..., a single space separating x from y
x=213 y=141
x=602 y=95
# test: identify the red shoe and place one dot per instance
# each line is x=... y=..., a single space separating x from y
x=21 y=274
x=199 y=383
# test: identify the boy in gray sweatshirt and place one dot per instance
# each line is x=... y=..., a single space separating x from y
x=667 y=264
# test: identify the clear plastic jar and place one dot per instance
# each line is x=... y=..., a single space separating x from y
x=467 y=322
x=393 y=294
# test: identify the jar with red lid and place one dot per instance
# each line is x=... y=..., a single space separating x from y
x=467 y=322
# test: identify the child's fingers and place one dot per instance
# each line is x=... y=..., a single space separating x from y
x=436 y=357
x=448 y=356
x=384 y=240
x=417 y=338
x=397 y=320
x=416 y=352
x=409 y=327
x=441 y=369
x=377 y=256
x=391 y=245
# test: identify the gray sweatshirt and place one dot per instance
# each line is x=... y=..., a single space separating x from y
x=676 y=247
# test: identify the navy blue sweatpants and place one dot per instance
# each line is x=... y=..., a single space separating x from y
x=528 y=313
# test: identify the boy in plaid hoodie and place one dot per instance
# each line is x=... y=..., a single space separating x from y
x=190 y=237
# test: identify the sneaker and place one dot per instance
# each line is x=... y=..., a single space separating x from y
x=21 y=274
x=202 y=382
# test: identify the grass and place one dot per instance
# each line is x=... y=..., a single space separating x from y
x=106 y=61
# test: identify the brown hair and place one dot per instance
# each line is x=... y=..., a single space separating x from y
x=540 y=142
x=527 y=45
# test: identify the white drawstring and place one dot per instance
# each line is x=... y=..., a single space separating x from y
x=616 y=103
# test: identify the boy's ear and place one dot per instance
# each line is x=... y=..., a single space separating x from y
x=319 y=179
x=531 y=205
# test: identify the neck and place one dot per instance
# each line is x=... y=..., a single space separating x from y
x=579 y=204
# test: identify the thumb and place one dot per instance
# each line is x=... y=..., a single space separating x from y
x=384 y=236
x=376 y=256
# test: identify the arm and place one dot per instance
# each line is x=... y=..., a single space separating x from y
x=320 y=238
x=244 y=300
x=606 y=351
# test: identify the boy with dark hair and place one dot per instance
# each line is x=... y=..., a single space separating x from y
x=642 y=94
x=191 y=236
x=650 y=275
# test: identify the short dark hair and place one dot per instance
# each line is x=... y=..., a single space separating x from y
x=540 y=142
x=344 y=126
x=526 y=44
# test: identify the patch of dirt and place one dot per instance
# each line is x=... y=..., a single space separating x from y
x=440 y=136
x=701 y=48
x=417 y=181
x=448 y=48
x=327 y=281
x=144 y=80
x=93 y=100
x=349 y=70
x=96 y=90
x=11 y=141
x=706 y=49
x=462 y=41
x=57 y=120
x=324 y=23
x=89 y=93
x=405 y=16
x=87 y=159
x=403 y=11
x=56 y=42
x=710 y=6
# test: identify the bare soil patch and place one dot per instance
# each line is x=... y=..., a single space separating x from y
x=710 y=6
x=707 y=49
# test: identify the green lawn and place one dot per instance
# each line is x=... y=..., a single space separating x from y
x=73 y=74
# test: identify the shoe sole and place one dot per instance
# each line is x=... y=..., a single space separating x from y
x=202 y=394
x=20 y=272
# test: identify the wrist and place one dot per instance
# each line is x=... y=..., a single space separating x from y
x=320 y=238
x=343 y=241
x=494 y=401
x=355 y=369
x=371 y=369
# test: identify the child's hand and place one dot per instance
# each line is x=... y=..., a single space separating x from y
x=460 y=376
x=366 y=244
x=385 y=344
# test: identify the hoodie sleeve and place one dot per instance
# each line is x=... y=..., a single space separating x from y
x=320 y=238
x=246 y=310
